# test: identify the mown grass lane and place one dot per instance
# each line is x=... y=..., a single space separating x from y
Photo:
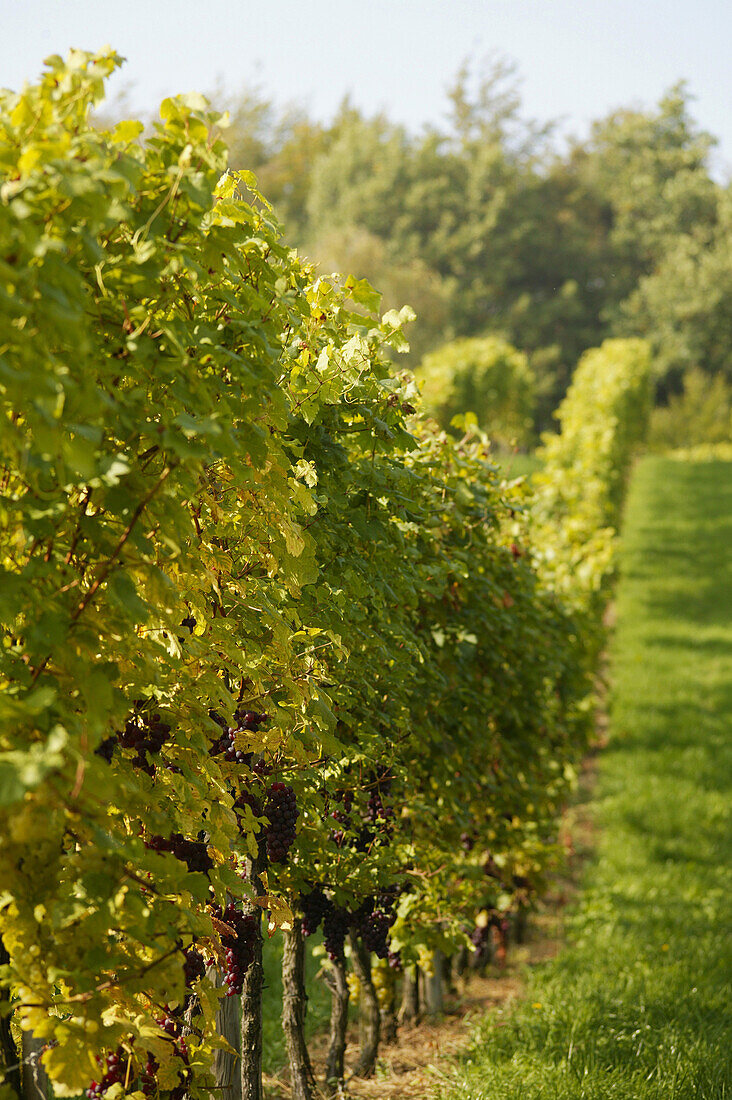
x=639 y=1005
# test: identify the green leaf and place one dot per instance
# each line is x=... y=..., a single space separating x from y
x=363 y=294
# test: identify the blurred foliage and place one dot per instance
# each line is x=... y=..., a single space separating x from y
x=684 y=306
x=701 y=414
x=484 y=225
x=485 y=376
x=579 y=490
x=357 y=250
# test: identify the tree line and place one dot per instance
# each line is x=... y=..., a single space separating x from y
x=485 y=226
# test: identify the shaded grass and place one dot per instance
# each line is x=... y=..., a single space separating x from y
x=639 y=1006
x=274 y=1055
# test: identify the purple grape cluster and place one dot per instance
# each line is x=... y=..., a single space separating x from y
x=281 y=811
x=261 y=770
x=106 y=748
x=345 y=796
x=246 y=798
x=335 y=926
x=148 y=1077
x=376 y=810
x=172 y=1025
x=248 y=720
x=378 y=813
x=229 y=749
x=481 y=939
x=239 y=944
x=375 y=933
x=375 y=920
x=193 y=967
x=395 y=960
x=146 y=737
x=467 y=842
x=194 y=853
x=315 y=905
x=339 y=836
x=114 y=1074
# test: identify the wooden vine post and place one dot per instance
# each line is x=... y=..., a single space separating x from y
x=251 y=998
x=335 y=979
x=294 y=1004
x=371 y=1019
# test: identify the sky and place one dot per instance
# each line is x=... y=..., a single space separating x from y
x=576 y=59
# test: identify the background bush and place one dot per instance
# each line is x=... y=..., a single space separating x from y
x=485 y=376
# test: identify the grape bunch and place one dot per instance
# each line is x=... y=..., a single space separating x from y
x=193 y=967
x=379 y=815
x=194 y=853
x=246 y=798
x=281 y=811
x=106 y=748
x=339 y=836
x=335 y=927
x=375 y=933
x=395 y=960
x=482 y=940
x=115 y=1072
x=346 y=797
x=383 y=981
x=146 y=737
x=148 y=1077
x=374 y=808
x=248 y=720
x=315 y=905
x=226 y=744
x=231 y=752
x=467 y=842
x=158 y=843
x=374 y=923
x=172 y=1025
x=261 y=770
x=239 y=943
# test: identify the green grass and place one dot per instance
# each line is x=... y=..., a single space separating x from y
x=274 y=1054
x=639 y=1006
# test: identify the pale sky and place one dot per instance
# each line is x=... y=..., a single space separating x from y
x=577 y=59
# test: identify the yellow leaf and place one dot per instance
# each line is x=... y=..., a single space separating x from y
x=280 y=914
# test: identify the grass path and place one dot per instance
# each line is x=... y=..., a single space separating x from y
x=639 y=1007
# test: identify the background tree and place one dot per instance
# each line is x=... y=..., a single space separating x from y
x=485 y=227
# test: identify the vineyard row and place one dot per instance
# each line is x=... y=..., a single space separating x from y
x=275 y=649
